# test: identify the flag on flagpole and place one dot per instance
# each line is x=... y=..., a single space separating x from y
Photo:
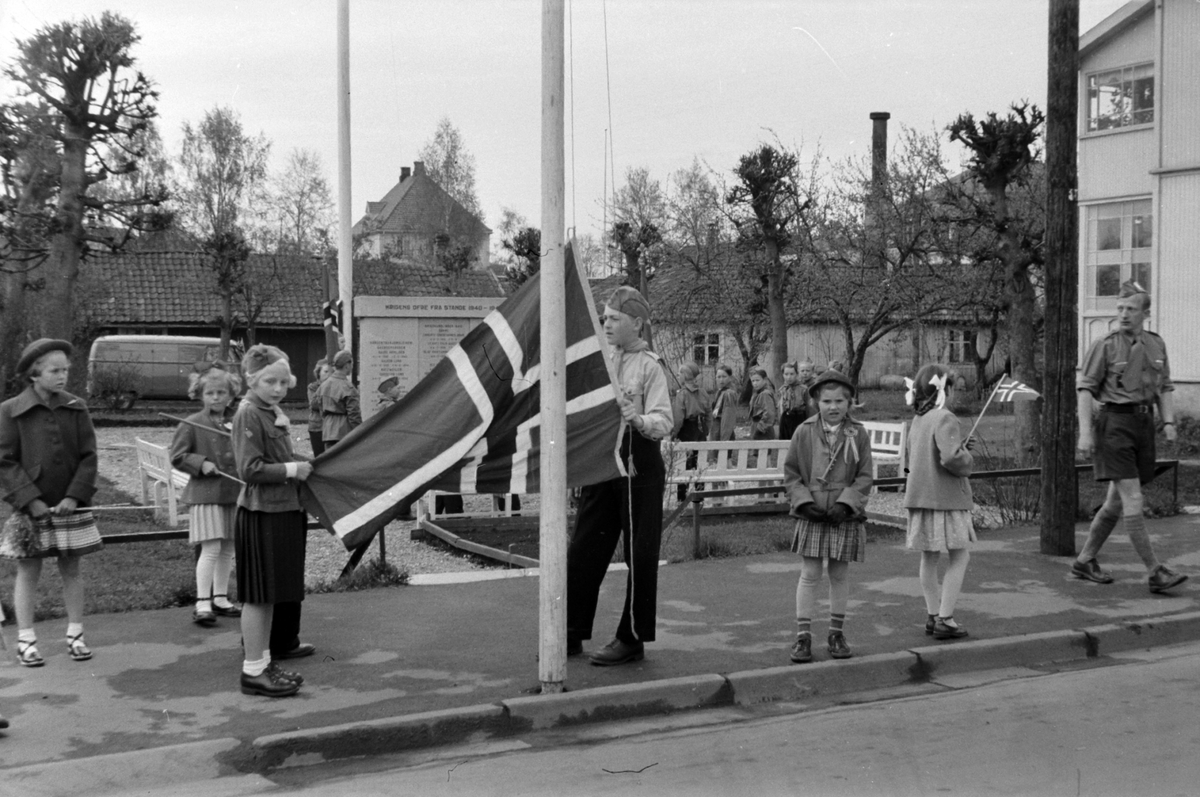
x=472 y=425
x=1010 y=389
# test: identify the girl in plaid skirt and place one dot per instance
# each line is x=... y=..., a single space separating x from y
x=48 y=470
x=827 y=474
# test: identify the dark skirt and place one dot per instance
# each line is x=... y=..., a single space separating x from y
x=270 y=556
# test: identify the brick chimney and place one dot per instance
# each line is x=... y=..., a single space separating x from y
x=405 y=173
x=418 y=167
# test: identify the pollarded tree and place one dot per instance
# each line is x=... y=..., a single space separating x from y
x=1002 y=154
x=82 y=105
x=769 y=199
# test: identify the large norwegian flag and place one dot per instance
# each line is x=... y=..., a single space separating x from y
x=473 y=424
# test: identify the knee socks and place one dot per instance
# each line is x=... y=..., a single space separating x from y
x=1136 y=528
x=1102 y=525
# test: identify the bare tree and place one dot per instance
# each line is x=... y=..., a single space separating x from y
x=451 y=165
x=223 y=173
x=880 y=271
x=77 y=122
x=301 y=205
x=640 y=209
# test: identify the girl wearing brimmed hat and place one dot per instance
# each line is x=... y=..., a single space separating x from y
x=271 y=534
x=937 y=495
x=827 y=474
x=48 y=469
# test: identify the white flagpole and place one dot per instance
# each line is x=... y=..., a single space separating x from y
x=345 y=238
x=986 y=404
x=552 y=530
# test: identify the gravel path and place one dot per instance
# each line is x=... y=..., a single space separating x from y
x=326 y=554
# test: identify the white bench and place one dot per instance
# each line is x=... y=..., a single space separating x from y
x=761 y=461
x=166 y=482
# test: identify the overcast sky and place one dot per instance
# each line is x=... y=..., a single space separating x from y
x=679 y=78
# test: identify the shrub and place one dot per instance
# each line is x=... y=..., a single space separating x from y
x=117 y=385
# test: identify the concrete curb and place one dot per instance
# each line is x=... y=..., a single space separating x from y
x=747 y=688
x=374 y=737
x=618 y=702
x=802 y=681
x=124 y=773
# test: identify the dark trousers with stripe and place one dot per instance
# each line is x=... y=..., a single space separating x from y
x=604 y=517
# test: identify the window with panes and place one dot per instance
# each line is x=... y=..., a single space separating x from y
x=1118 y=243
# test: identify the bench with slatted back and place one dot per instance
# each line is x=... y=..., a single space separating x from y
x=750 y=463
x=160 y=480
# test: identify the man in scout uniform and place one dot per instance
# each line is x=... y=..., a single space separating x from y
x=1127 y=372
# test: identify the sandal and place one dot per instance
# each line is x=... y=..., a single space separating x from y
x=78 y=650
x=27 y=654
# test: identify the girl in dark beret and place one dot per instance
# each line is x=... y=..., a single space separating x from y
x=48 y=470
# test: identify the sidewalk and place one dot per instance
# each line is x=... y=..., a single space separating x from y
x=464 y=655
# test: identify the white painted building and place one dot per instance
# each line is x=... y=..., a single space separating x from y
x=1139 y=176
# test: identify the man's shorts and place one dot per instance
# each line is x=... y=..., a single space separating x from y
x=1124 y=446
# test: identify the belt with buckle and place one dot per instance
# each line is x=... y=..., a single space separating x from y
x=1128 y=409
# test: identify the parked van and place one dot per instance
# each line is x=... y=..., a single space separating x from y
x=124 y=368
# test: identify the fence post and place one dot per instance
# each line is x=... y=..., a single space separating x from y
x=695 y=524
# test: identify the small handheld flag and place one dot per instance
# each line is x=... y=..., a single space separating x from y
x=1007 y=389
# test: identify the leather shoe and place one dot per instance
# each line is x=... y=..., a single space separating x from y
x=1091 y=571
x=944 y=630
x=838 y=649
x=268 y=685
x=206 y=619
x=802 y=650
x=279 y=673
x=298 y=652
x=618 y=652
x=227 y=611
x=1164 y=578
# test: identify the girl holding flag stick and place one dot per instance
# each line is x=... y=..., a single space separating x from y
x=938 y=496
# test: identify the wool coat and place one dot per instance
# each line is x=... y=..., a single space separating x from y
x=827 y=472
x=192 y=447
x=47 y=449
x=938 y=465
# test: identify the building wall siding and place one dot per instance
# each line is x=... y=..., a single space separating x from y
x=1178 y=85
x=1116 y=164
x=1179 y=269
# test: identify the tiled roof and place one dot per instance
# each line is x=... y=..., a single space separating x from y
x=418 y=204
x=180 y=287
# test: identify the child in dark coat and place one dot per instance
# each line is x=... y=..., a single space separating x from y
x=48 y=469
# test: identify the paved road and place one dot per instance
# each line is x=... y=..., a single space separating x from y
x=1109 y=730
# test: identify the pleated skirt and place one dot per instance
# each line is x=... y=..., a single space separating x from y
x=270 y=547
x=211 y=522
x=841 y=542
x=939 y=529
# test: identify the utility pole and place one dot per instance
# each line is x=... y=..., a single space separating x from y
x=1060 y=484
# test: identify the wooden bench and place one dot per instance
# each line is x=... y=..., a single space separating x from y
x=159 y=477
x=744 y=463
